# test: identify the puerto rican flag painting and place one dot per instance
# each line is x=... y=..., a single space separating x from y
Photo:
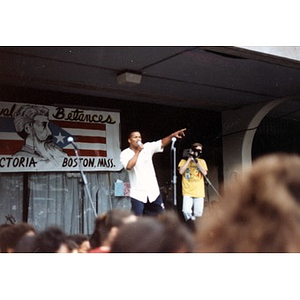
x=89 y=138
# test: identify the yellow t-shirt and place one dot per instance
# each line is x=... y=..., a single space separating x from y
x=192 y=179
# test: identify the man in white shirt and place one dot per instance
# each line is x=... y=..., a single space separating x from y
x=137 y=160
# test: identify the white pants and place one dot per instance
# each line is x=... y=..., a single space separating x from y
x=190 y=203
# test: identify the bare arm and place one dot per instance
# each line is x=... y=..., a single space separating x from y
x=132 y=162
x=201 y=169
x=183 y=168
x=178 y=134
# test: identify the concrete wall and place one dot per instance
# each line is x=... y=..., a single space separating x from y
x=238 y=128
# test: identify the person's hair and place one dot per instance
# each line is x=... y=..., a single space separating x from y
x=196 y=145
x=163 y=234
x=177 y=237
x=105 y=222
x=260 y=211
x=78 y=238
x=71 y=245
x=50 y=240
x=10 y=235
x=24 y=115
x=131 y=131
x=142 y=236
x=5 y=225
x=26 y=244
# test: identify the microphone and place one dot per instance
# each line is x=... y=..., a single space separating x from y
x=140 y=144
x=173 y=139
x=71 y=141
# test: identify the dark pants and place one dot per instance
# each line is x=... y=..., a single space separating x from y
x=140 y=208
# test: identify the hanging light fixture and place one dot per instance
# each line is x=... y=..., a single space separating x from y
x=129 y=78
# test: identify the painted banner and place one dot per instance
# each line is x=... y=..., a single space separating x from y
x=39 y=138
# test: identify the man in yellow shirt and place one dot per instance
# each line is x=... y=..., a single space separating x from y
x=192 y=170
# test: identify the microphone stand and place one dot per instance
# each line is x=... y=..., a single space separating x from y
x=84 y=179
x=174 y=181
x=206 y=178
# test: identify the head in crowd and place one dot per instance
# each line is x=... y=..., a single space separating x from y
x=32 y=124
x=260 y=211
x=51 y=240
x=26 y=244
x=72 y=247
x=11 y=235
x=5 y=225
x=177 y=237
x=47 y=241
x=107 y=226
x=162 y=234
x=82 y=241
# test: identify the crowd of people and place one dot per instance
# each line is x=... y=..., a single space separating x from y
x=116 y=231
x=259 y=212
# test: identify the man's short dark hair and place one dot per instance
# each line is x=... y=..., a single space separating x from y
x=131 y=131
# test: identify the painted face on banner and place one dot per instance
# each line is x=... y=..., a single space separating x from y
x=41 y=128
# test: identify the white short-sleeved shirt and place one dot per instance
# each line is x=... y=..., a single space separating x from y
x=142 y=177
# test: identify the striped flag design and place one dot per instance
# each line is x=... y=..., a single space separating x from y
x=10 y=141
x=90 y=138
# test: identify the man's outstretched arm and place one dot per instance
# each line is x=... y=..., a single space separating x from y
x=179 y=134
